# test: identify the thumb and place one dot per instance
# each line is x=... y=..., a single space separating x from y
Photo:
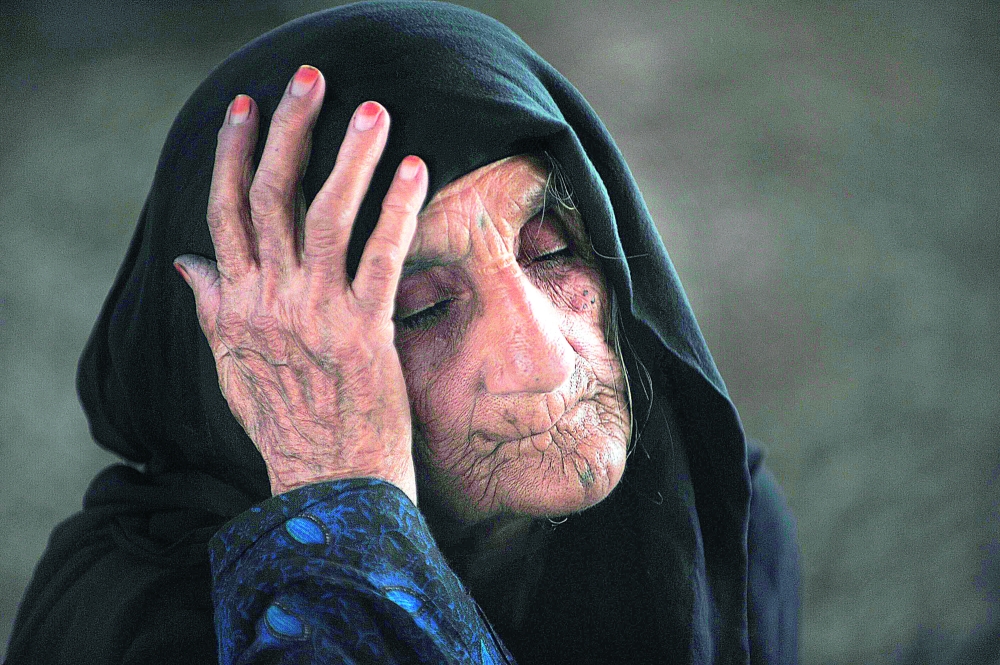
x=202 y=276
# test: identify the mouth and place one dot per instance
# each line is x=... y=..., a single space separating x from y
x=526 y=416
x=517 y=432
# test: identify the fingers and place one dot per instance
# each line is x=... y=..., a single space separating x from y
x=273 y=192
x=333 y=211
x=382 y=260
x=228 y=215
x=263 y=232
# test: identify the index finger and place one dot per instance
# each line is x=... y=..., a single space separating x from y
x=228 y=208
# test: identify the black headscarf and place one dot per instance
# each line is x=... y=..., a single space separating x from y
x=654 y=573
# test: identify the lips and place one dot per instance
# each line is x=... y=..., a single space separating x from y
x=500 y=419
x=570 y=409
x=517 y=432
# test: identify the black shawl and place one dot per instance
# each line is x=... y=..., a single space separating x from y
x=655 y=573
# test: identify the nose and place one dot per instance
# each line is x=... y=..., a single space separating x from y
x=524 y=349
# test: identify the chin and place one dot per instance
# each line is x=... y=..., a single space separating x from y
x=553 y=483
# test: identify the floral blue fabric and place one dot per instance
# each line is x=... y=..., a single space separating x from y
x=342 y=571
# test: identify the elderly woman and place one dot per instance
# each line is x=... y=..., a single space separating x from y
x=432 y=391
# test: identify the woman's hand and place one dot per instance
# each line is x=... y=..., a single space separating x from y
x=305 y=358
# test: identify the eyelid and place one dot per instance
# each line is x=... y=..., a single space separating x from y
x=565 y=249
x=430 y=300
x=430 y=290
x=557 y=228
x=425 y=316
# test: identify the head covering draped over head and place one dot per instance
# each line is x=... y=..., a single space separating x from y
x=654 y=573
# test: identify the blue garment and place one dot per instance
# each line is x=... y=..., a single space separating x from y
x=342 y=571
x=347 y=571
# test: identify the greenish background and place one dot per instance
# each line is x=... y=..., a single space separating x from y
x=824 y=176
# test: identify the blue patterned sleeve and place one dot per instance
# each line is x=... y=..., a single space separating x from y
x=342 y=571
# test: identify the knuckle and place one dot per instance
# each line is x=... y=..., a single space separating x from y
x=289 y=115
x=221 y=211
x=283 y=121
x=330 y=201
x=268 y=195
x=382 y=266
x=399 y=205
x=384 y=251
x=358 y=149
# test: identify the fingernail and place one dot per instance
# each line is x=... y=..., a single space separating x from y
x=408 y=169
x=239 y=109
x=304 y=80
x=183 y=273
x=366 y=116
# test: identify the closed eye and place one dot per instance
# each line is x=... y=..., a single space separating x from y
x=545 y=241
x=552 y=256
x=428 y=316
x=425 y=317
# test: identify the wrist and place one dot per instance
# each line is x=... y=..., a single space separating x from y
x=287 y=482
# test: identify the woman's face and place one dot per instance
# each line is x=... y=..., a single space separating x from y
x=518 y=402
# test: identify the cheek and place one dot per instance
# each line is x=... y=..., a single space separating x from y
x=427 y=354
x=579 y=292
x=438 y=387
x=441 y=404
x=582 y=297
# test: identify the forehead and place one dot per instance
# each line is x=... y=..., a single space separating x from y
x=511 y=181
x=501 y=196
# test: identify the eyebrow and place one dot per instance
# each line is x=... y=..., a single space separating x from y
x=419 y=264
x=534 y=203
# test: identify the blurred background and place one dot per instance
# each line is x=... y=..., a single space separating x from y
x=824 y=176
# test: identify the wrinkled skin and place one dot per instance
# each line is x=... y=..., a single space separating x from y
x=504 y=397
x=517 y=398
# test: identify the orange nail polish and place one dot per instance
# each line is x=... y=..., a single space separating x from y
x=408 y=169
x=183 y=273
x=304 y=80
x=366 y=116
x=240 y=110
